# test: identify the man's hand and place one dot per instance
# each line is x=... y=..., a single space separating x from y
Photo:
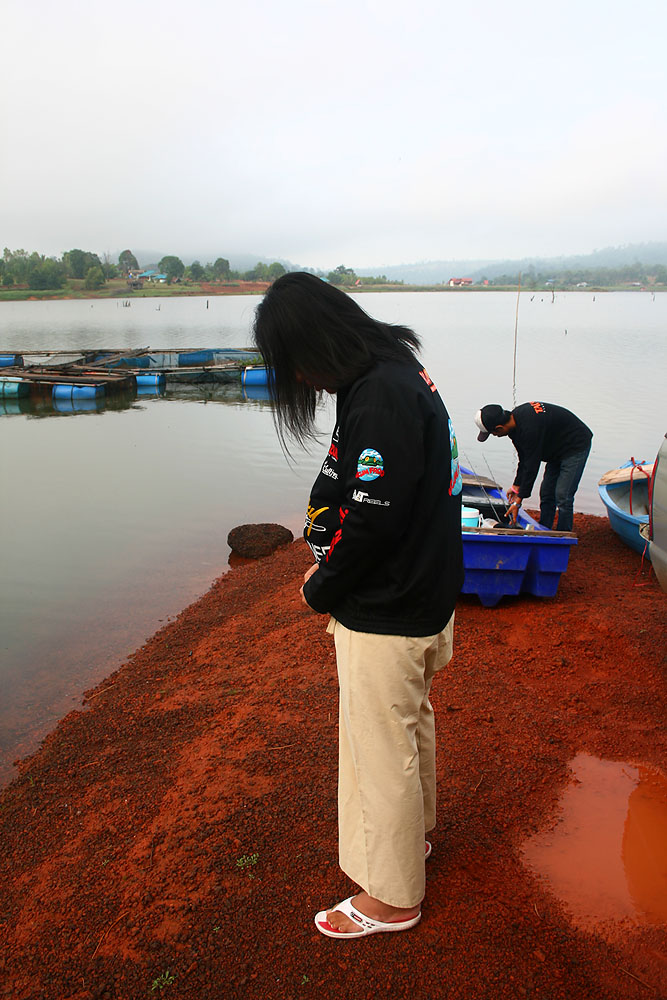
x=513 y=503
x=513 y=509
x=306 y=577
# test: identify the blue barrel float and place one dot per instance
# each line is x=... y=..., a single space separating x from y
x=13 y=388
x=254 y=375
x=155 y=380
x=11 y=360
x=70 y=391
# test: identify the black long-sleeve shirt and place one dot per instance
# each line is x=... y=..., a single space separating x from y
x=544 y=433
x=384 y=515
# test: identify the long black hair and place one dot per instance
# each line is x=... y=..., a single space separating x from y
x=309 y=331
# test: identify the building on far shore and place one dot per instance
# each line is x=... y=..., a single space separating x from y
x=458 y=282
x=152 y=275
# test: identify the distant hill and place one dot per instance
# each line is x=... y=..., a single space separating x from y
x=433 y=272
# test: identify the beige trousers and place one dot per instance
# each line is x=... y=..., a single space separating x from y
x=386 y=763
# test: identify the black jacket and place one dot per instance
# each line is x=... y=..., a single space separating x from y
x=384 y=516
x=544 y=433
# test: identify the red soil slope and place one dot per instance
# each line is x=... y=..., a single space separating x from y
x=185 y=822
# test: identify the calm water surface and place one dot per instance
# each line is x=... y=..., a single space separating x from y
x=113 y=521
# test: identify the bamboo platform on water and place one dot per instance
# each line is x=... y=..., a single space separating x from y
x=38 y=375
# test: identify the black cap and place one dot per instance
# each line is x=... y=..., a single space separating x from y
x=488 y=418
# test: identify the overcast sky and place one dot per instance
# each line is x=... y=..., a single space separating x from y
x=358 y=131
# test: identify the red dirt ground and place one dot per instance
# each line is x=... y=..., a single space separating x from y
x=185 y=821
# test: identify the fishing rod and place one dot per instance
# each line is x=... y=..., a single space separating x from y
x=493 y=502
x=491 y=474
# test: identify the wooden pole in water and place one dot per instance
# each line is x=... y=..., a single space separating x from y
x=516 y=326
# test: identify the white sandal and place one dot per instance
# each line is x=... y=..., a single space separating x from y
x=366 y=924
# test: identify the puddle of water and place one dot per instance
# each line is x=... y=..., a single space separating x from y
x=606 y=855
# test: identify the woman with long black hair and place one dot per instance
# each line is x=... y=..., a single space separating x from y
x=384 y=525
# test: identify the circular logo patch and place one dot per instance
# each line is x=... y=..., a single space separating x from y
x=370 y=465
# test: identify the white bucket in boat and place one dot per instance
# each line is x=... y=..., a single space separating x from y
x=469 y=517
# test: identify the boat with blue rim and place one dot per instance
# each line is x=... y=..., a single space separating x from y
x=625 y=492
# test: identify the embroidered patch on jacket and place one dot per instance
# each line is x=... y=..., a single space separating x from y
x=455 y=481
x=429 y=381
x=370 y=465
x=311 y=517
x=362 y=497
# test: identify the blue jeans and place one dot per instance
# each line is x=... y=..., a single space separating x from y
x=561 y=479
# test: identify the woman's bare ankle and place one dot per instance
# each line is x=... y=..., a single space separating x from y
x=374 y=908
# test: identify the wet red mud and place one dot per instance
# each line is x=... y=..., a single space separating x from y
x=177 y=836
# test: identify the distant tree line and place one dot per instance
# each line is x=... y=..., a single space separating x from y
x=35 y=271
x=604 y=277
x=219 y=270
x=347 y=278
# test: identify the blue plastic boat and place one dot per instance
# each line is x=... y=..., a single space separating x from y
x=625 y=494
x=502 y=562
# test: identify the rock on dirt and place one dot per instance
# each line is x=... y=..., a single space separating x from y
x=252 y=541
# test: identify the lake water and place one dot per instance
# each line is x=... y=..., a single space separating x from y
x=113 y=521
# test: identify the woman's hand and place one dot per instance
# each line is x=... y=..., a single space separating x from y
x=306 y=577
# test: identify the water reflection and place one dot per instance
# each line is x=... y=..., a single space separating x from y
x=119 y=519
x=230 y=394
x=75 y=404
x=257 y=393
x=11 y=407
x=606 y=855
x=644 y=848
